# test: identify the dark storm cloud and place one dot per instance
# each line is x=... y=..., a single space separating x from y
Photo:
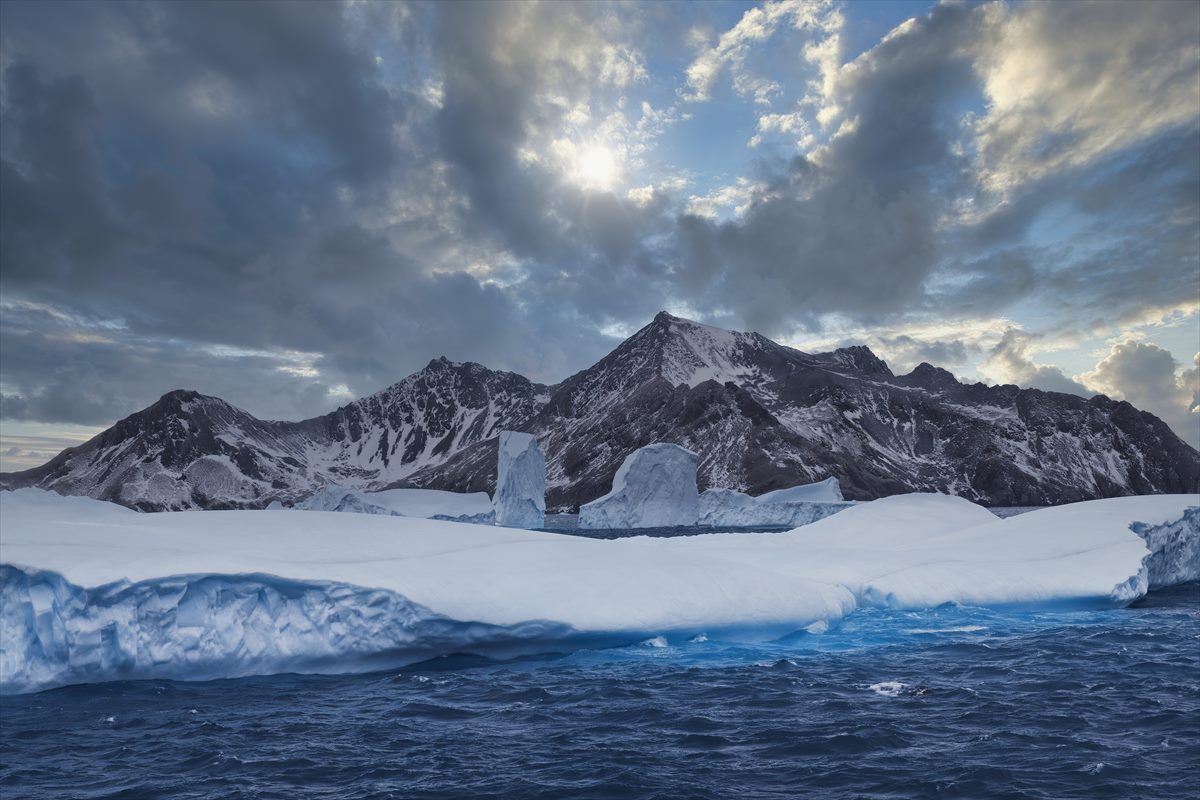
x=199 y=172
x=1143 y=216
x=585 y=249
x=56 y=206
x=986 y=285
x=1133 y=219
x=482 y=123
x=875 y=228
x=268 y=201
x=90 y=371
x=854 y=233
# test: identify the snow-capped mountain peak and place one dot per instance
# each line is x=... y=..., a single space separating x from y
x=760 y=415
x=859 y=358
x=692 y=353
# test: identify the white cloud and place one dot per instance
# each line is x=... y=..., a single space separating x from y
x=794 y=124
x=1012 y=361
x=1068 y=82
x=735 y=45
x=644 y=195
x=952 y=344
x=733 y=199
x=1151 y=379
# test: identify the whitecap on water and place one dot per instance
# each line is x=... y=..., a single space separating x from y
x=959 y=629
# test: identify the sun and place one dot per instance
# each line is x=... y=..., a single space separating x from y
x=596 y=168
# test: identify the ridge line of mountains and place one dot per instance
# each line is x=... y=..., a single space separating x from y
x=762 y=416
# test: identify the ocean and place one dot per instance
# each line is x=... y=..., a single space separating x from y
x=950 y=702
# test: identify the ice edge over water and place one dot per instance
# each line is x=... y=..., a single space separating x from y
x=740 y=586
x=197 y=627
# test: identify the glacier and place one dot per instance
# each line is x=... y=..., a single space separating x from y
x=654 y=487
x=520 y=500
x=92 y=591
x=426 y=503
x=799 y=505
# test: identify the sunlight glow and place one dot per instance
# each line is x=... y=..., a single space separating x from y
x=596 y=168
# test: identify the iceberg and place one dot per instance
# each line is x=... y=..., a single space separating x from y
x=826 y=491
x=339 y=498
x=799 y=505
x=654 y=487
x=425 y=503
x=1174 y=550
x=520 y=500
x=92 y=591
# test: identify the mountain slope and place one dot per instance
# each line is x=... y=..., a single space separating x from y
x=762 y=416
x=193 y=451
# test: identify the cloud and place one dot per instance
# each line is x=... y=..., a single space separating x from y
x=1143 y=373
x=854 y=227
x=23 y=451
x=1150 y=378
x=254 y=178
x=1011 y=361
x=903 y=352
x=1067 y=83
x=724 y=201
x=794 y=124
x=286 y=204
x=899 y=210
x=983 y=285
x=735 y=48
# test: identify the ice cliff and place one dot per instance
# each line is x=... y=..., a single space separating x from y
x=520 y=500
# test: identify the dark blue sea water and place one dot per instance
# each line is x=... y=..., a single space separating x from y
x=952 y=702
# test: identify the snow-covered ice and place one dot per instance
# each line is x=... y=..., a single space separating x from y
x=796 y=506
x=93 y=591
x=520 y=500
x=426 y=503
x=654 y=487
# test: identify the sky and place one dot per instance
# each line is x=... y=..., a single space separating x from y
x=290 y=205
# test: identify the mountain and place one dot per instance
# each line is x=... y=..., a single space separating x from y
x=189 y=450
x=762 y=416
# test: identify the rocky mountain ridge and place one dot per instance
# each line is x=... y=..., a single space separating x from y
x=762 y=416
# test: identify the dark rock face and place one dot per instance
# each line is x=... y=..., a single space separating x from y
x=762 y=416
x=193 y=451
